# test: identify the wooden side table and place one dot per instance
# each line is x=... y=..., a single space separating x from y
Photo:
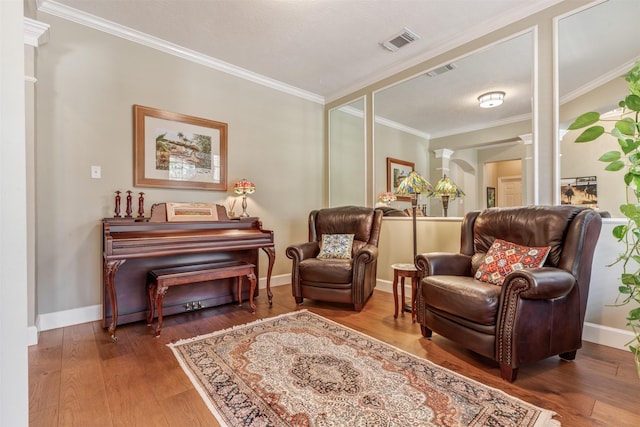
x=401 y=271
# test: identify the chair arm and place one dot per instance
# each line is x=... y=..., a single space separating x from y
x=302 y=251
x=443 y=263
x=366 y=254
x=541 y=283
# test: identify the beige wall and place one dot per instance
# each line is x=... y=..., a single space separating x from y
x=581 y=159
x=348 y=138
x=87 y=84
x=396 y=240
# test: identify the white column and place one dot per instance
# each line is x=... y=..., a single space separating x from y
x=14 y=379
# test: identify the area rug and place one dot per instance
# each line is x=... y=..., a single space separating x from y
x=300 y=369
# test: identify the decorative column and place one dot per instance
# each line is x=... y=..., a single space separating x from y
x=528 y=189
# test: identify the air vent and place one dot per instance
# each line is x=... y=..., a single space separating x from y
x=441 y=70
x=402 y=39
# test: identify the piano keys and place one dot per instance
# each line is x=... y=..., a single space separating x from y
x=134 y=246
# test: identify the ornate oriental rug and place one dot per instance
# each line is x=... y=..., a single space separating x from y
x=300 y=369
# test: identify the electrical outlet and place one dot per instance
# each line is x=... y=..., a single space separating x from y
x=96 y=172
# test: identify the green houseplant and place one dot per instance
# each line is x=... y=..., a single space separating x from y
x=627 y=131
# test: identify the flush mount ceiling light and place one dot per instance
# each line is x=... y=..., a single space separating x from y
x=491 y=99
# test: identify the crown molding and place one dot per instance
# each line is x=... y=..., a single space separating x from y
x=92 y=21
x=403 y=128
x=487 y=125
x=482 y=29
x=36 y=33
x=599 y=81
x=385 y=122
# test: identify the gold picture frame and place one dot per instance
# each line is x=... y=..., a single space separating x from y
x=173 y=150
x=188 y=212
x=397 y=170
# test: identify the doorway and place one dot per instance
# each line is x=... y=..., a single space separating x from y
x=509 y=191
x=506 y=177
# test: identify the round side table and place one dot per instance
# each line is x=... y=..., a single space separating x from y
x=401 y=271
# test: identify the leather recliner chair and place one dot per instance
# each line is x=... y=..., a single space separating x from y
x=537 y=312
x=338 y=280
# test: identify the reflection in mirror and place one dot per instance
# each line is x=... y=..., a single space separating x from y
x=435 y=121
x=347 y=177
x=596 y=47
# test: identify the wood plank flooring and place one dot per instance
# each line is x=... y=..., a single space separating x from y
x=78 y=377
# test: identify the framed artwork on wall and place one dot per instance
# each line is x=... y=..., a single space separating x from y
x=491 y=197
x=173 y=150
x=397 y=170
x=582 y=190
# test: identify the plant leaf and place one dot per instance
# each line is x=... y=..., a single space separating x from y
x=610 y=156
x=634 y=314
x=619 y=230
x=626 y=144
x=590 y=134
x=614 y=166
x=584 y=120
x=632 y=102
x=626 y=126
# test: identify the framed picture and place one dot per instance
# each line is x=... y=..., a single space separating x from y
x=397 y=170
x=185 y=212
x=174 y=150
x=582 y=190
x=491 y=197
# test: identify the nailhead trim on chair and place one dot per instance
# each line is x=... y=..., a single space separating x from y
x=507 y=319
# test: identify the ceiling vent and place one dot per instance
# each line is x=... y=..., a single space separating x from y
x=402 y=39
x=441 y=70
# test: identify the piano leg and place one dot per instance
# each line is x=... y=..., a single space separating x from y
x=110 y=270
x=252 y=288
x=271 y=253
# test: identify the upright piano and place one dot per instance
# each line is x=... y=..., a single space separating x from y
x=131 y=247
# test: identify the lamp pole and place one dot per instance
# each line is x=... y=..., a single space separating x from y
x=414 y=204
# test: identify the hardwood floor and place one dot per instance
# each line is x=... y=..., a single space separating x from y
x=78 y=377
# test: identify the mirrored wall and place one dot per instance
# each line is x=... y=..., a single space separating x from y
x=347 y=148
x=435 y=121
x=596 y=47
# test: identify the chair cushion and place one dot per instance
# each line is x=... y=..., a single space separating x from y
x=336 y=246
x=463 y=297
x=332 y=270
x=506 y=257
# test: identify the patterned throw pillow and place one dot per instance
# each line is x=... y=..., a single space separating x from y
x=336 y=246
x=505 y=257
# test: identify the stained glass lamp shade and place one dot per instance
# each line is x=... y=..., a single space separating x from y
x=242 y=188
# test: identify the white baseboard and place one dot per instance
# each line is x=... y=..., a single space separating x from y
x=283 y=279
x=606 y=335
x=598 y=334
x=60 y=319
x=32 y=335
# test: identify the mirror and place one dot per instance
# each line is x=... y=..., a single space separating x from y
x=434 y=120
x=596 y=47
x=347 y=154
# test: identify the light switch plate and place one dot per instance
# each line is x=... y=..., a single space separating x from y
x=96 y=172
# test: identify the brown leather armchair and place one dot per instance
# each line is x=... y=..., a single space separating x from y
x=537 y=312
x=338 y=280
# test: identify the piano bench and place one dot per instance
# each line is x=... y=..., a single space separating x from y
x=159 y=281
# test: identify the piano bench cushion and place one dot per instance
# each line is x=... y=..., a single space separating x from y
x=158 y=282
x=195 y=273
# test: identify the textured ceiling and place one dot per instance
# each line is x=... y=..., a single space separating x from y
x=326 y=47
x=330 y=48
